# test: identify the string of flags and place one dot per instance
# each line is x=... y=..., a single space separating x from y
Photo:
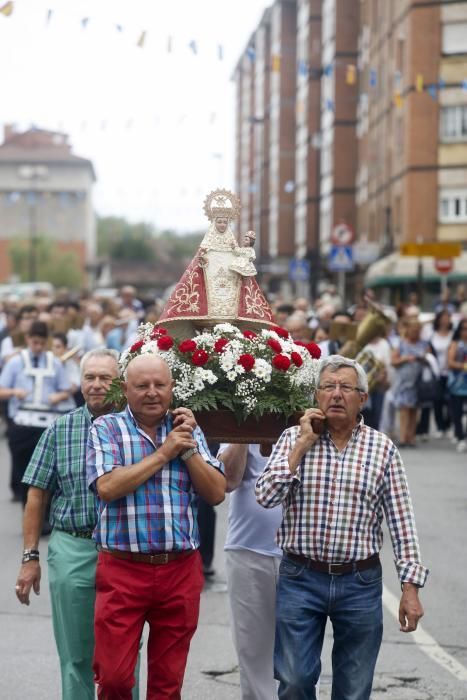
x=7 y=10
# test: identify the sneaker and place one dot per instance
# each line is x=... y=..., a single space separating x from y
x=438 y=434
x=424 y=438
x=461 y=446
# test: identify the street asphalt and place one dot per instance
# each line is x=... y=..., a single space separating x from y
x=430 y=667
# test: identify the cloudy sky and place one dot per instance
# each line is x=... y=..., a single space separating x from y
x=157 y=120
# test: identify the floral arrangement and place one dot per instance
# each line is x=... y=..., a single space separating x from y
x=248 y=373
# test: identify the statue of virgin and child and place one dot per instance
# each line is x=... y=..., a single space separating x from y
x=219 y=284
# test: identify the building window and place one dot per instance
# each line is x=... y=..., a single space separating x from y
x=453 y=40
x=453 y=124
x=453 y=206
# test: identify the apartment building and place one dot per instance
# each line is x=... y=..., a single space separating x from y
x=45 y=190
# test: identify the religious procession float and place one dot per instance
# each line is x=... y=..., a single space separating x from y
x=244 y=377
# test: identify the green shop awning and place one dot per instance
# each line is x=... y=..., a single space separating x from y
x=397 y=269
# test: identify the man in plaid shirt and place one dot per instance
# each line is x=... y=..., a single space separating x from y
x=336 y=479
x=148 y=472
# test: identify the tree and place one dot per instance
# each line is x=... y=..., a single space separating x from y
x=62 y=269
x=117 y=238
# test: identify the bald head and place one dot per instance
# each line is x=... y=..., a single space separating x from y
x=148 y=362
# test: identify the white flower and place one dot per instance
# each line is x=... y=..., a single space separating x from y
x=262 y=370
x=231 y=375
x=150 y=347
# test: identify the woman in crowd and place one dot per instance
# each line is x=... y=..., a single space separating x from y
x=457 y=381
x=440 y=340
x=408 y=360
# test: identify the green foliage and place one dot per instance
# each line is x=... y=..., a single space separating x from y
x=60 y=268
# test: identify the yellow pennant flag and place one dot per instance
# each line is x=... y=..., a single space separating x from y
x=6 y=9
x=419 y=82
x=351 y=74
x=397 y=99
x=276 y=63
x=141 y=40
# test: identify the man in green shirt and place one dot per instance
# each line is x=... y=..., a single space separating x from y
x=57 y=470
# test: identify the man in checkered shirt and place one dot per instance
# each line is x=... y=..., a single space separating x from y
x=336 y=479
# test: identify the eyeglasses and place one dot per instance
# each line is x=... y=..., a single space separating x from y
x=345 y=388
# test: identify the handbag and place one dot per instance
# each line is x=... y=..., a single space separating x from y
x=457 y=383
x=428 y=387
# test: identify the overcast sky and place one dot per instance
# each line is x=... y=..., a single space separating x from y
x=157 y=124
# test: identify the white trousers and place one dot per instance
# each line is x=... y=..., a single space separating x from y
x=251 y=581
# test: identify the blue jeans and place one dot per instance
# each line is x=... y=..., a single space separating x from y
x=353 y=603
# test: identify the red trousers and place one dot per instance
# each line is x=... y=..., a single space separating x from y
x=128 y=594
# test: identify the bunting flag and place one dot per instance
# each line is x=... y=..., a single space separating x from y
x=220 y=52
x=276 y=63
x=351 y=74
x=373 y=78
x=251 y=53
x=441 y=83
x=141 y=40
x=193 y=46
x=397 y=78
x=397 y=99
x=49 y=16
x=84 y=22
x=7 y=9
x=328 y=70
x=464 y=84
x=302 y=68
x=433 y=91
x=419 y=83
x=119 y=28
x=330 y=105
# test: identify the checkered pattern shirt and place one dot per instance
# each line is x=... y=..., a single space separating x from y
x=58 y=464
x=333 y=505
x=161 y=514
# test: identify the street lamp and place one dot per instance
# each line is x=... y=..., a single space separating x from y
x=34 y=174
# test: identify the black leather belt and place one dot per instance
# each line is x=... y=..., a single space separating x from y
x=335 y=569
x=82 y=534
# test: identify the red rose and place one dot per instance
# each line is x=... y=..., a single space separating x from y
x=136 y=346
x=220 y=344
x=158 y=331
x=280 y=331
x=274 y=345
x=314 y=350
x=165 y=342
x=281 y=362
x=249 y=334
x=200 y=357
x=296 y=359
x=187 y=345
x=299 y=342
x=246 y=361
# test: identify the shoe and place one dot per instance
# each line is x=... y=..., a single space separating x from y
x=461 y=446
x=424 y=438
x=208 y=572
x=438 y=434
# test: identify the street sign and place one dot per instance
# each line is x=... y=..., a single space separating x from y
x=366 y=252
x=444 y=265
x=342 y=234
x=436 y=249
x=340 y=259
x=299 y=270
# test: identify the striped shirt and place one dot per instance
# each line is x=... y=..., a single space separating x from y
x=161 y=514
x=334 y=504
x=58 y=464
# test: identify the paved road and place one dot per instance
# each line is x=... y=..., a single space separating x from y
x=432 y=668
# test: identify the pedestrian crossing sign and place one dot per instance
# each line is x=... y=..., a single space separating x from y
x=340 y=259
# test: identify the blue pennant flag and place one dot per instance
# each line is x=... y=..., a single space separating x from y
x=433 y=91
x=328 y=70
x=303 y=68
x=251 y=53
x=373 y=78
x=464 y=84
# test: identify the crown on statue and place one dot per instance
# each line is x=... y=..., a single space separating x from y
x=221 y=203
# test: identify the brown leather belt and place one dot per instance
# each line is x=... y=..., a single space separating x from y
x=156 y=558
x=335 y=569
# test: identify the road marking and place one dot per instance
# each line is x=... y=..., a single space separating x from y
x=426 y=642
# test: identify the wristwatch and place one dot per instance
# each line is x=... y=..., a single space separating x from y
x=189 y=453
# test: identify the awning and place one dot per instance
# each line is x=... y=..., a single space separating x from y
x=396 y=269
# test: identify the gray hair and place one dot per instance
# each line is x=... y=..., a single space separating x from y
x=97 y=352
x=335 y=362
